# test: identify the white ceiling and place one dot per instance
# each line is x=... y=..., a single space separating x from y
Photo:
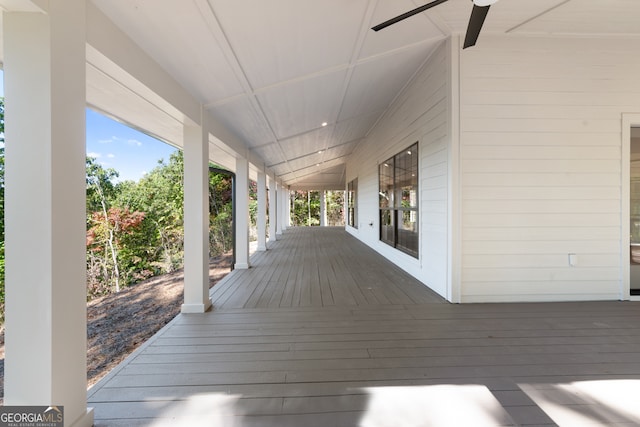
x=273 y=71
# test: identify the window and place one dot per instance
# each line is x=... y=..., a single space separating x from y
x=398 y=197
x=352 y=203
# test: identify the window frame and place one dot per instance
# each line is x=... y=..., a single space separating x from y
x=352 y=203
x=398 y=190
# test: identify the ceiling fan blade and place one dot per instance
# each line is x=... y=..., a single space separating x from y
x=406 y=15
x=478 y=15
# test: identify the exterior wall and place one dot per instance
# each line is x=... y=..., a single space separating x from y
x=420 y=113
x=530 y=161
x=540 y=158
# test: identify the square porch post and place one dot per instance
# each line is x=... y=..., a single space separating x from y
x=262 y=211
x=273 y=209
x=280 y=210
x=242 y=213
x=45 y=194
x=196 y=219
x=323 y=208
x=286 y=202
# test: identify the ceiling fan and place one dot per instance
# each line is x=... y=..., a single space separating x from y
x=478 y=15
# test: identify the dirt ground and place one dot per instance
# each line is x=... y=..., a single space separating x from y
x=117 y=324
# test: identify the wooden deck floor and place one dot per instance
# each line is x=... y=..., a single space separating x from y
x=324 y=332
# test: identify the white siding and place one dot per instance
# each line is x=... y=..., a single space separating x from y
x=420 y=113
x=540 y=158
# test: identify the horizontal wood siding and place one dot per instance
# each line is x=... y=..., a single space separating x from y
x=419 y=113
x=540 y=124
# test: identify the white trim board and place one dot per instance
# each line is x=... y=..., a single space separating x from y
x=629 y=120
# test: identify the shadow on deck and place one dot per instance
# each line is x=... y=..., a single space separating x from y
x=322 y=331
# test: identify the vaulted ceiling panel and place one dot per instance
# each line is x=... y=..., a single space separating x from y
x=338 y=151
x=240 y=114
x=328 y=179
x=313 y=160
x=355 y=128
x=177 y=35
x=281 y=169
x=388 y=74
x=336 y=164
x=308 y=143
x=303 y=105
x=325 y=179
x=271 y=152
x=284 y=39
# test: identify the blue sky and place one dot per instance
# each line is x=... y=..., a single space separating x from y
x=117 y=146
x=122 y=148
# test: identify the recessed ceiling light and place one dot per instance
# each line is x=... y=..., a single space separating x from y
x=409 y=152
x=320 y=151
x=324 y=124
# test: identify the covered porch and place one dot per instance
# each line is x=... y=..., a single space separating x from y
x=323 y=331
x=522 y=193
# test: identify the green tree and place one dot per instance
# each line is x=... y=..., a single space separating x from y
x=137 y=227
x=160 y=195
x=101 y=190
x=220 y=213
x=106 y=235
x=306 y=208
x=335 y=208
x=107 y=227
x=253 y=210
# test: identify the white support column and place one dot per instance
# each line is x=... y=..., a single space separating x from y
x=46 y=311
x=196 y=219
x=323 y=208
x=280 y=210
x=286 y=199
x=262 y=212
x=242 y=213
x=273 y=210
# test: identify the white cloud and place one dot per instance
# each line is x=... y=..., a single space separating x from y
x=110 y=140
x=135 y=142
x=111 y=155
x=94 y=155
